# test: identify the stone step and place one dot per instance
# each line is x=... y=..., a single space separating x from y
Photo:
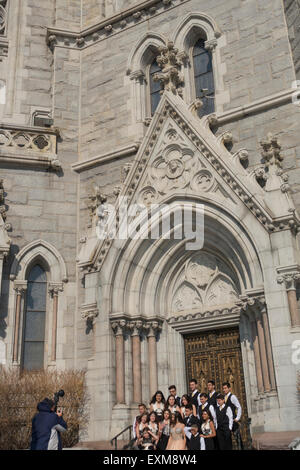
x=99 y=445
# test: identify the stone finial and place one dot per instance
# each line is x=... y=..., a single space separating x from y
x=271 y=151
x=170 y=61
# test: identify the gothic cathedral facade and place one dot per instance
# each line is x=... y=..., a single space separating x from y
x=179 y=119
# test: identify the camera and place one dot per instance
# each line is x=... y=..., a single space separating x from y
x=57 y=396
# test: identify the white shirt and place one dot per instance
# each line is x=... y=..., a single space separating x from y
x=210 y=407
x=189 y=435
x=236 y=403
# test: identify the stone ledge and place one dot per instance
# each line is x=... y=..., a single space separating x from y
x=109 y=26
x=35 y=146
x=274 y=440
x=105 y=157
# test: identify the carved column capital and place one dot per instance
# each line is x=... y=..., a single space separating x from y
x=136 y=327
x=54 y=288
x=89 y=312
x=119 y=326
x=20 y=287
x=251 y=305
x=138 y=76
x=211 y=44
x=289 y=276
x=153 y=327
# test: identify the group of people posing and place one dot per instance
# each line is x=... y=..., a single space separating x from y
x=196 y=421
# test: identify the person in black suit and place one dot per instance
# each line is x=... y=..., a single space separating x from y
x=224 y=422
x=193 y=439
x=212 y=394
x=194 y=393
x=190 y=420
x=173 y=392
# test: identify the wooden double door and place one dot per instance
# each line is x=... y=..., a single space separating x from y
x=216 y=355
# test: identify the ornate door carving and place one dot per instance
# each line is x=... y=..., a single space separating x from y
x=216 y=355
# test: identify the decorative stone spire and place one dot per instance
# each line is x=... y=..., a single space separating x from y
x=170 y=61
x=272 y=159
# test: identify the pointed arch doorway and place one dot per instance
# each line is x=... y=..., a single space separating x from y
x=216 y=355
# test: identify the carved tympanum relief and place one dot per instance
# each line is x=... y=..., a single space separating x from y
x=205 y=282
x=177 y=167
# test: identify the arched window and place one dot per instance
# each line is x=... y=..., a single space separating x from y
x=35 y=319
x=155 y=86
x=204 y=79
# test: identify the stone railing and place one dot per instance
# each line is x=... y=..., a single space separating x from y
x=34 y=146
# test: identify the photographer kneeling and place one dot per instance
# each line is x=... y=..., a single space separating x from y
x=47 y=426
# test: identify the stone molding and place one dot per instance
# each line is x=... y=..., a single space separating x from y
x=36 y=146
x=239 y=184
x=109 y=26
x=105 y=157
x=39 y=248
x=215 y=119
x=249 y=302
x=258 y=106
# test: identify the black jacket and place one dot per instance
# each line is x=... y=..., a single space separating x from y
x=46 y=427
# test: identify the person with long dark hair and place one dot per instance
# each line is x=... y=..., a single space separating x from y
x=208 y=431
x=177 y=440
x=164 y=431
x=172 y=405
x=157 y=404
x=153 y=426
x=185 y=400
x=140 y=425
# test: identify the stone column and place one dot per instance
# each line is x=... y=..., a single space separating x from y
x=293 y=306
x=263 y=354
x=153 y=328
x=269 y=348
x=20 y=288
x=136 y=361
x=290 y=279
x=139 y=81
x=54 y=289
x=118 y=327
x=258 y=370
